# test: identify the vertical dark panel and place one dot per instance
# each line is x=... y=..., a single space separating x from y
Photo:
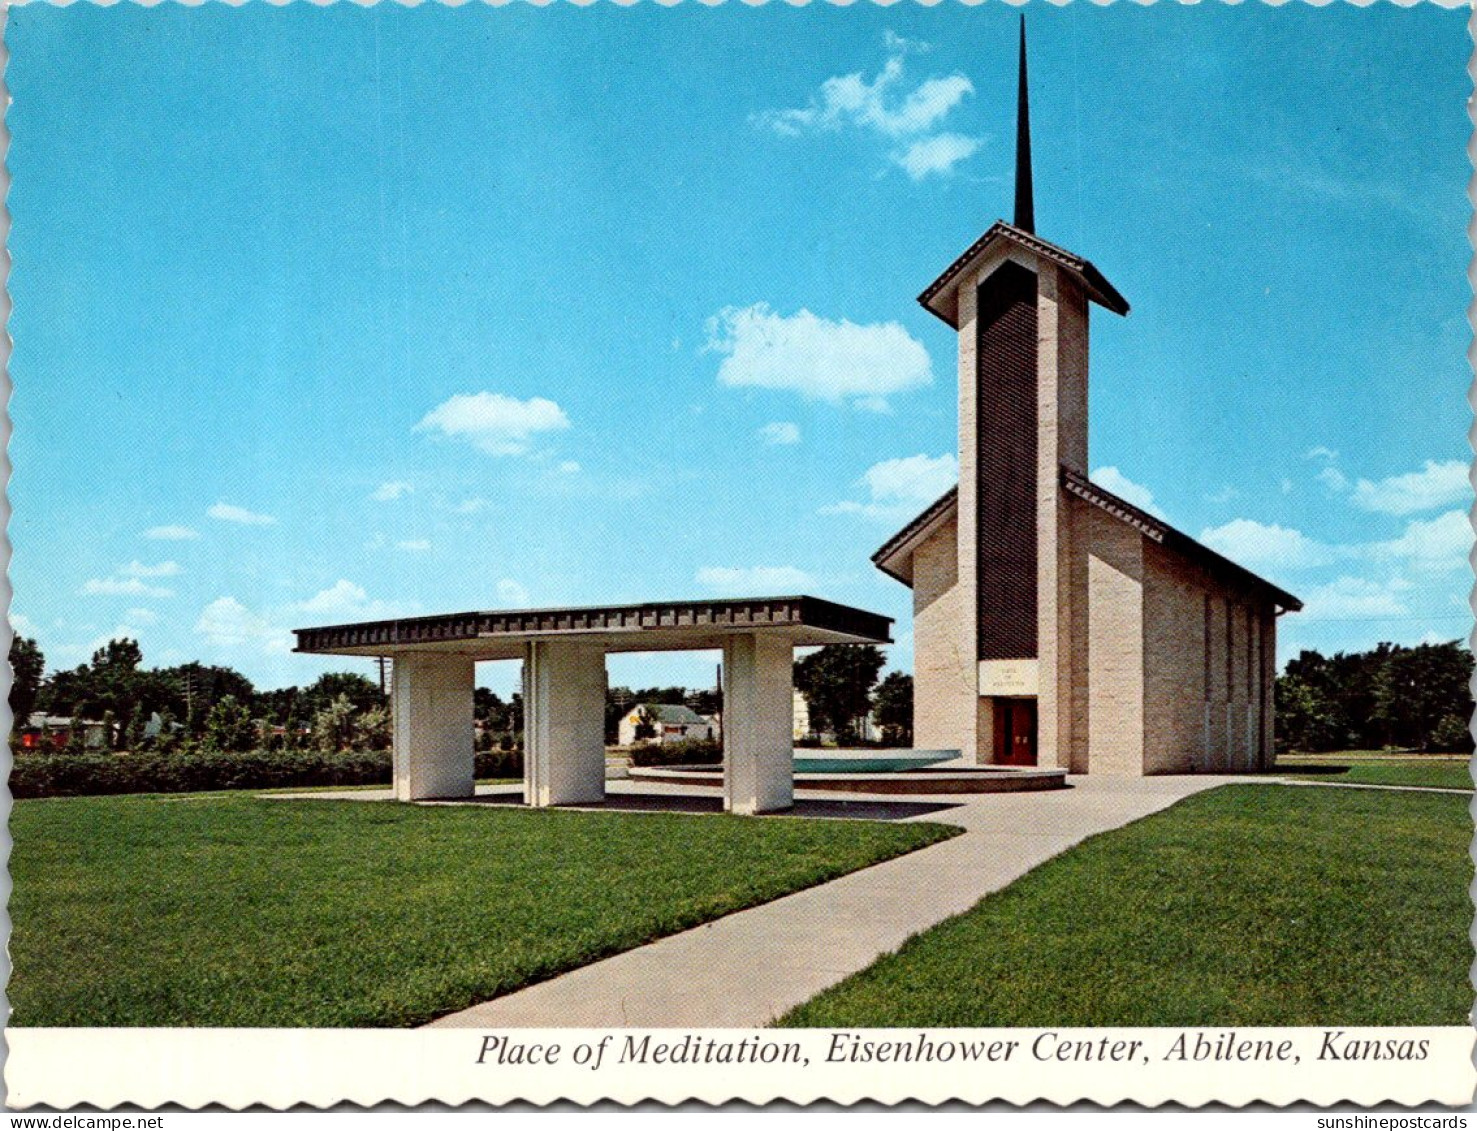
x=1006 y=466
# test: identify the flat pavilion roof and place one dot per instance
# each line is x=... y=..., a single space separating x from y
x=662 y=626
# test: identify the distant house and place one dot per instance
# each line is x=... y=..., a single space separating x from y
x=672 y=723
x=54 y=732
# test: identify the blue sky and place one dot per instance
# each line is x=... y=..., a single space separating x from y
x=329 y=314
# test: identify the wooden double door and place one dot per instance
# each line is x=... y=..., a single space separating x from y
x=1015 y=732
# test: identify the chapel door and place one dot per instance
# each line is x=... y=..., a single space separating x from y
x=1015 y=732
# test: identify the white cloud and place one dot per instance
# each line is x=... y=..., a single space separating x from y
x=898 y=488
x=1355 y=598
x=1224 y=495
x=887 y=107
x=491 y=422
x=22 y=625
x=815 y=357
x=137 y=568
x=879 y=105
x=227 y=623
x=918 y=479
x=171 y=533
x=935 y=155
x=1125 y=488
x=569 y=467
x=470 y=506
x=342 y=596
x=227 y=512
x=1321 y=453
x=779 y=433
x=511 y=594
x=416 y=544
x=1431 y=546
x=1334 y=479
x=1437 y=484
x=349 y=601
x=754 y=580
x=394 y=489
x=142 y=616
x=121 y=587
x=1260 y=545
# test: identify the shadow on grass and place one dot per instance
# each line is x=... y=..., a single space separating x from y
x=869 y=810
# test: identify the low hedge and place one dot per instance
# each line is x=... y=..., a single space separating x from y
x=691 y=752
x=76 y=775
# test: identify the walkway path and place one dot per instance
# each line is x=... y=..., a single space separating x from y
x=746 y=969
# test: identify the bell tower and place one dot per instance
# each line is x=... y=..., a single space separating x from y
x=1020 y=307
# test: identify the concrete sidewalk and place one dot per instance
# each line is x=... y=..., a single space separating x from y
x=746 y=969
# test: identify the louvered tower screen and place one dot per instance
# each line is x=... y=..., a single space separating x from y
x=1007 y=465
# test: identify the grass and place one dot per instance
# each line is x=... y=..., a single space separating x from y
x=238 y=911
x=1247 y=905
x=1441 y=773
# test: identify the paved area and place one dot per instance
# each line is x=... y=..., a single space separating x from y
x=746 y=969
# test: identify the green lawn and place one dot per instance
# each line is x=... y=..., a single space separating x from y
x=1439 y=772
x=237 y=911
x=1247 y=905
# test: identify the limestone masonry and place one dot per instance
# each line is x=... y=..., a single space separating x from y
x=1056 y=624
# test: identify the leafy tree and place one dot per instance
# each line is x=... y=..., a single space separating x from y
x=1453 y=734
x=1387 y=696
x=333 y=726
x=168 y=740
x=77 y=733
x=133 y=734
x=895 y=709
x=372 y=729
x=229 y=726
x=361 y=692
x=837 y=683
x=1417 y=688
x=27 y=666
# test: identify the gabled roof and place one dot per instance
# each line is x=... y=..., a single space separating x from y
x=671 y=713
x=937 y=297
x=895 y=556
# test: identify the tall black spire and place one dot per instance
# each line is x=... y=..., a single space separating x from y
x=1025 y=210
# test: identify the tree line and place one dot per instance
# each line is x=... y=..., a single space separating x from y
x=1391 y=696
x=216 y=707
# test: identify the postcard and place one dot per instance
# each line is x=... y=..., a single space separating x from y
x=739 y=552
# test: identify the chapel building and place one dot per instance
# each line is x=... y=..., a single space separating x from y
x=1056 y=624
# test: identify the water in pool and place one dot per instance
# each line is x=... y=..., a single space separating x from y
x=882 y=764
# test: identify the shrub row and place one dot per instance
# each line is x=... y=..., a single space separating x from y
x=76 y=775
x=692 y=752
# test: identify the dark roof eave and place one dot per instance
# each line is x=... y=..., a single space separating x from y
x=930 y=513
x=1094 y=282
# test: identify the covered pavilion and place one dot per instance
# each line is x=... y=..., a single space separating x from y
x=563 y=653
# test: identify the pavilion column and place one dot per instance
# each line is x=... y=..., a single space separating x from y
x=563 y=723
x=431 y=706
x=758 y=735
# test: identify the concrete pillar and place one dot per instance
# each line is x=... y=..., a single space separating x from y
x=563 y=723
x=431 y=706
x=758 y=702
